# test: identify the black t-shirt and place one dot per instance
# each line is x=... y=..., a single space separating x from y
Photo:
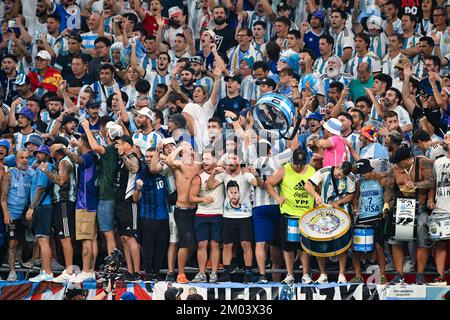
x=236 y=105
x=225 y=39
x=75 y=82
x=64 y=62
x=188 y=92
x=125 y=181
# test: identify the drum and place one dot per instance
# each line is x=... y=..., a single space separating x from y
x=404 y=220
x=325 y=231
x=293 y=232
x=439 y=227
x=363 y=239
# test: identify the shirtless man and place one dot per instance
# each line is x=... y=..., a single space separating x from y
x=184 y=167
x=406 y=181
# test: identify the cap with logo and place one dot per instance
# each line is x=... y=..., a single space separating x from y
x=374 y=22
x=283 y=6
x=21 y=79
x=299 y=157
x=146 y=112
x=363 y=166
x=267 y=81
x=235 y=77
x=314 y=116
x=114 y=130
x=167 y=141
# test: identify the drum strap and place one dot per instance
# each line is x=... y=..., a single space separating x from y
x=335 y=185
x=416 y=175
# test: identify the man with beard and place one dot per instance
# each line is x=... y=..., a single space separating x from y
x=184 y=169
x=65 y=126
x=392 y=58
x=333 y=74
x=326 y=44
x=410 y=178
x=8 y=75
x=343 y=36
x=390 y=102
x=25 y=126
x=160 y=75
x=22 y=83
x=53 y=39
x=244 y=49
x=41 y=213
x=225 y=33
x=196 y=63
x=150 y=20
x=146 y=137
x=40 y=24
x=105 y=86
x=93 y=116
x=177 y=24
x=54 y=108
x=187 y=82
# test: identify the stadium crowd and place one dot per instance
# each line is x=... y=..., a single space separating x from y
x=129 y=124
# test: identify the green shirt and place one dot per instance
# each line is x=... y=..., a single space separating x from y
x=357 y=88
x=109 y=164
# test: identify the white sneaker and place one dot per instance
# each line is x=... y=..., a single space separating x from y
x=342 y=278
x=42 y=277
x=306 y=279
x=390 y=266
x=64 y=277
x=322 y=279
x=408 y=266
x=84 y=276
x=289 y=279
x=12 y=276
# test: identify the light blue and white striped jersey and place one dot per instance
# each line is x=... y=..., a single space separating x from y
x=427 y=26
x=235 y=56
x=102 y=93
x=259 y=47
x=412 y=42
x=206 y=82
x=267 y=166
x=374 y=150
x=149 y=63
x=389 y=64
x=145 y=141
x=397 y=26
x=419 y=70
x=132 y=94
x=195 y=13
x=324 y=83
x=320 y=65
x=353 y=139
x=59 y=45
x=20 y=139
x=247 y=87
x=23 y=66
x=89 y=39
x=379 y=45
x=403 y=115
x=253 y=17
x=174 y=58
x=154 y=79
x=352 y=65
x=345 y=39
x=132 y=124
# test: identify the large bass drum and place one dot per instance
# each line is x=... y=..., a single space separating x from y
x=326 y=231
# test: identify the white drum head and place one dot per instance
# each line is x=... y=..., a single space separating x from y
x=324 y=223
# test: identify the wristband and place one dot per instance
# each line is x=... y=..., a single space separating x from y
x=106 y=292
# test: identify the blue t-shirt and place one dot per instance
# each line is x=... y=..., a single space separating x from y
x=91 y=127
x=41 y=180
x=312 y=43
x=153 y=204
x=87 y=196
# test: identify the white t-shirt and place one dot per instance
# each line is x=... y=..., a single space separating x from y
x=244 y=207
x=201 y=124
x=441 y=170
x=218 y=194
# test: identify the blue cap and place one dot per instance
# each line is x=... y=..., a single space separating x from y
x=27 y=113
x=314 y=115
x=128 y=296
x=319 y=14
x=5 y=143
x=35 y=139
x=21 y=79
x=42 y=149
x=292 y=60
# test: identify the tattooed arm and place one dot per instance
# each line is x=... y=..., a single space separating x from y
x=389 y=192
x=64 y=171
x=6 y=182
x=74 y=157
x=132 y=163
x=428 y=176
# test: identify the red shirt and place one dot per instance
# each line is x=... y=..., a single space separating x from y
x=149 y=23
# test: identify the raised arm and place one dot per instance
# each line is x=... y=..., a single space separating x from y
x=138 y=9
x=137 y=194
x=172 y=160
x=155 y=164
x=92 y=141
x=408 y=101
x=74 y=157
x=268 y=10
x=63 y=175
x=212 y=182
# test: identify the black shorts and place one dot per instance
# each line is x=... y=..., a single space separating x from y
x=126 y=213
x=285 y=245
x=15 y=231
x=64 y=219
x=184 y=219
x=236 y=230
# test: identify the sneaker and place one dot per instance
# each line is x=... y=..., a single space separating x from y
x=322 y=279
x=356 y=279
x=56 y=266
x=170 y=277
x=64 y=277
x=398 y=278
x=213 y=278
x=383 y=279
x=29 y=264
x=342 y=278
x=182 y=278
x=420 y=279
x=390 y=266
x=225 y=276
x=12 y=276
x=262 y=279
x=438 y=281
x=137 y=277
x=200 y=278
x=289 y=279
x=84 y=276
x=18 y=264
x=37 y=262
x=408 y=266
x=248 y=277
x=306 y=279
x=42 y=277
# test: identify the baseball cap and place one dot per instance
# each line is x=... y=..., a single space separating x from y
x=76 y=37
x=126 y=139
x=333 y=126
x=167 y=141
x=319 y=14
x=27 y=113
x=370 y=133
x=35 y=139
x=68 y=119
x=175 y=12
x=374 y=22
x=59 y=140
x=21 y=79
x=5 y=143
x=147 y=113
x=283 y=6
x=299 y=157
x=249 y=60
x=267 y=81
x=363 y=166
x=314 y=116
x=235 y=77
x=44 y=55
x=400 y=154
x=173 y=293
x=114 y=130
x=211 y=33
x=244 y=112
x=43 y=149
x=179 y=120
x=197 y=59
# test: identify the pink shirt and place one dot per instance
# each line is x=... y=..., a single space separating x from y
x=335 y=155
